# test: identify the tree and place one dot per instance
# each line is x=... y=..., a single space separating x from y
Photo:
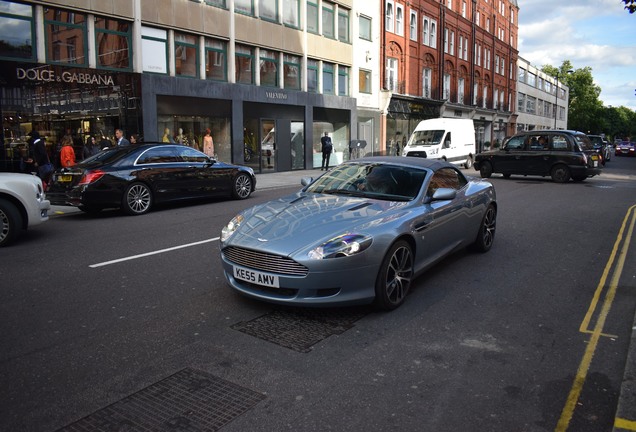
x=630 y=5
x=585 y=107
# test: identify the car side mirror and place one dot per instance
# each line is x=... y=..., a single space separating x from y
x=444 y=194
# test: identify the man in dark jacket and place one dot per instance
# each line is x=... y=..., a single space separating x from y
x=327 y=148
x=39 y=156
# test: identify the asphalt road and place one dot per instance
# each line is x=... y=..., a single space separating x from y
x=106 y=315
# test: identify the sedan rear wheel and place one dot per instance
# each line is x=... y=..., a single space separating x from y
x=242 y=186
x=485 y=169
x=486 y=233
x=137 y=199
x=560 y=174
x=10 y=222
x=394 y=279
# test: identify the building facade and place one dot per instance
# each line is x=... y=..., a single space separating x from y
x=542 y=101
x=268 y=77
x=450 y=58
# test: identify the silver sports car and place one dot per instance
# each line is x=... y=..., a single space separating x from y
x=358 y=234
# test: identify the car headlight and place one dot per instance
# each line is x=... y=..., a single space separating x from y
x=231 y=227
x=341 y=246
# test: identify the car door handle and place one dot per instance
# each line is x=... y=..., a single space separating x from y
x=421 y=226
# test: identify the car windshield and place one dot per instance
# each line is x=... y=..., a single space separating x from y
x=596 y=140
x=584 y=142
x=371 y=180
x=426 y=138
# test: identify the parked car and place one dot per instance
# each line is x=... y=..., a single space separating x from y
x=560 y=154
x=602 y=147
x=136 y=177
x=360 y=233
x=23 y=204
x=625 y=148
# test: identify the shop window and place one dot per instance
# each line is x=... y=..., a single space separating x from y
x=343 y=81
x=268 y=10
x=154 y=50
x=312 y=17
x=16 y=31
x=245 y=7
x=186 y=52
x=215 y=60
x=65 y=37
x=268 y=66
x=291 y=69
x=312 y=76
x=291 y=13
x=343 y=24
x=327 y=78
x=244 y=59
x=113 y=43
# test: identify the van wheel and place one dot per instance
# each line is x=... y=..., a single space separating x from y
x=485 y=170
x=469 y=162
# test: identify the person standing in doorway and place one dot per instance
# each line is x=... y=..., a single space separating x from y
x=327 y=148
x=121 y=140
x=208 y=143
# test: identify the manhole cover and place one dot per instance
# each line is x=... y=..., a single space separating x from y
x=189 y=400
x=300 y=329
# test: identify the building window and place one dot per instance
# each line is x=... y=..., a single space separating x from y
x=343 y=24
x=243 y=61
x=217 y=3
x=485 y=101
x=312 y=76
x=399 y=19
x=365 y=27
x=113 y=43
x=460 y=90
x=327 y=78
x=268 y=10
x=215 y=60
x=328 y=28
x=154 y=50
x=65 y=37
x=464 y=9
x=186 y=52
x=268 y=67
x=343 y=81
x=312 y=17
x=291 y=13
x=291 y=69
x=475 y=92
x=364 y=81
x=245 y=7
x=413 y=26
x=391 y=74
x=447 y=84
x=427 y=77
x=452 y=43
x=16 y=31
x=389 y=17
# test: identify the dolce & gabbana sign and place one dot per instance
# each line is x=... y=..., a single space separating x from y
x=39 y=74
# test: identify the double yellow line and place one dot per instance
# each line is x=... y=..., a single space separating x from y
x=597 y=331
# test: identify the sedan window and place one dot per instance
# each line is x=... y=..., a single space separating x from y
x=191 y=155
x=157 y=155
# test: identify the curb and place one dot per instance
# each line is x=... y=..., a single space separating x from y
x=625 y=419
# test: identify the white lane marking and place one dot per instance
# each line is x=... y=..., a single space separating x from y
x=105 y=263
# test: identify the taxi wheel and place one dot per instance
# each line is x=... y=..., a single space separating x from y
x=560 y=174
x=485 y=170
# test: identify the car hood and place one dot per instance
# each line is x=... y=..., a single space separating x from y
x=303 y=220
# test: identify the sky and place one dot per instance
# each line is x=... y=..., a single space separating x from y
x=600 y=34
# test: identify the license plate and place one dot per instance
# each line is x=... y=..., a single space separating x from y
x=64 y=178
x=256 y=277
x=594 y=157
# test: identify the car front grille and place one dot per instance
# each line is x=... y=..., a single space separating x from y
x=264 y=262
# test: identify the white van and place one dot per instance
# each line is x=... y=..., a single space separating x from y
x=450 y=139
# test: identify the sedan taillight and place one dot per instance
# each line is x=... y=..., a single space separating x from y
x=91 y=177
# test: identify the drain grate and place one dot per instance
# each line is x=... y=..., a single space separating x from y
x=189 y=400
x=300 y=329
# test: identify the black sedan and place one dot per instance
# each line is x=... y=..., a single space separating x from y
x=136 y=177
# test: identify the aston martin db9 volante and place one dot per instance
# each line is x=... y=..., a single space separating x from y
x=358 y=234
x=136 y=177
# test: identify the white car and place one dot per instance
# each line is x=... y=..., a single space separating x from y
x=23 y=204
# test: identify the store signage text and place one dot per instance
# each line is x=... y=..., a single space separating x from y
x=47 y=75
x=276 y=95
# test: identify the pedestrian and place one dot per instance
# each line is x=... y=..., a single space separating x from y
x=40 y=158
x=90 y=148
x=121 y=139
x=134 y=139
x=327 y=148
x=67 y=153
x=208 y=143
x=105 y=143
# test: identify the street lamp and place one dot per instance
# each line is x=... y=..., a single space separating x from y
x=556 y=97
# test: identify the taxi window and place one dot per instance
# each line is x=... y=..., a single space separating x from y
x=515 y=143
x=560 y=143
